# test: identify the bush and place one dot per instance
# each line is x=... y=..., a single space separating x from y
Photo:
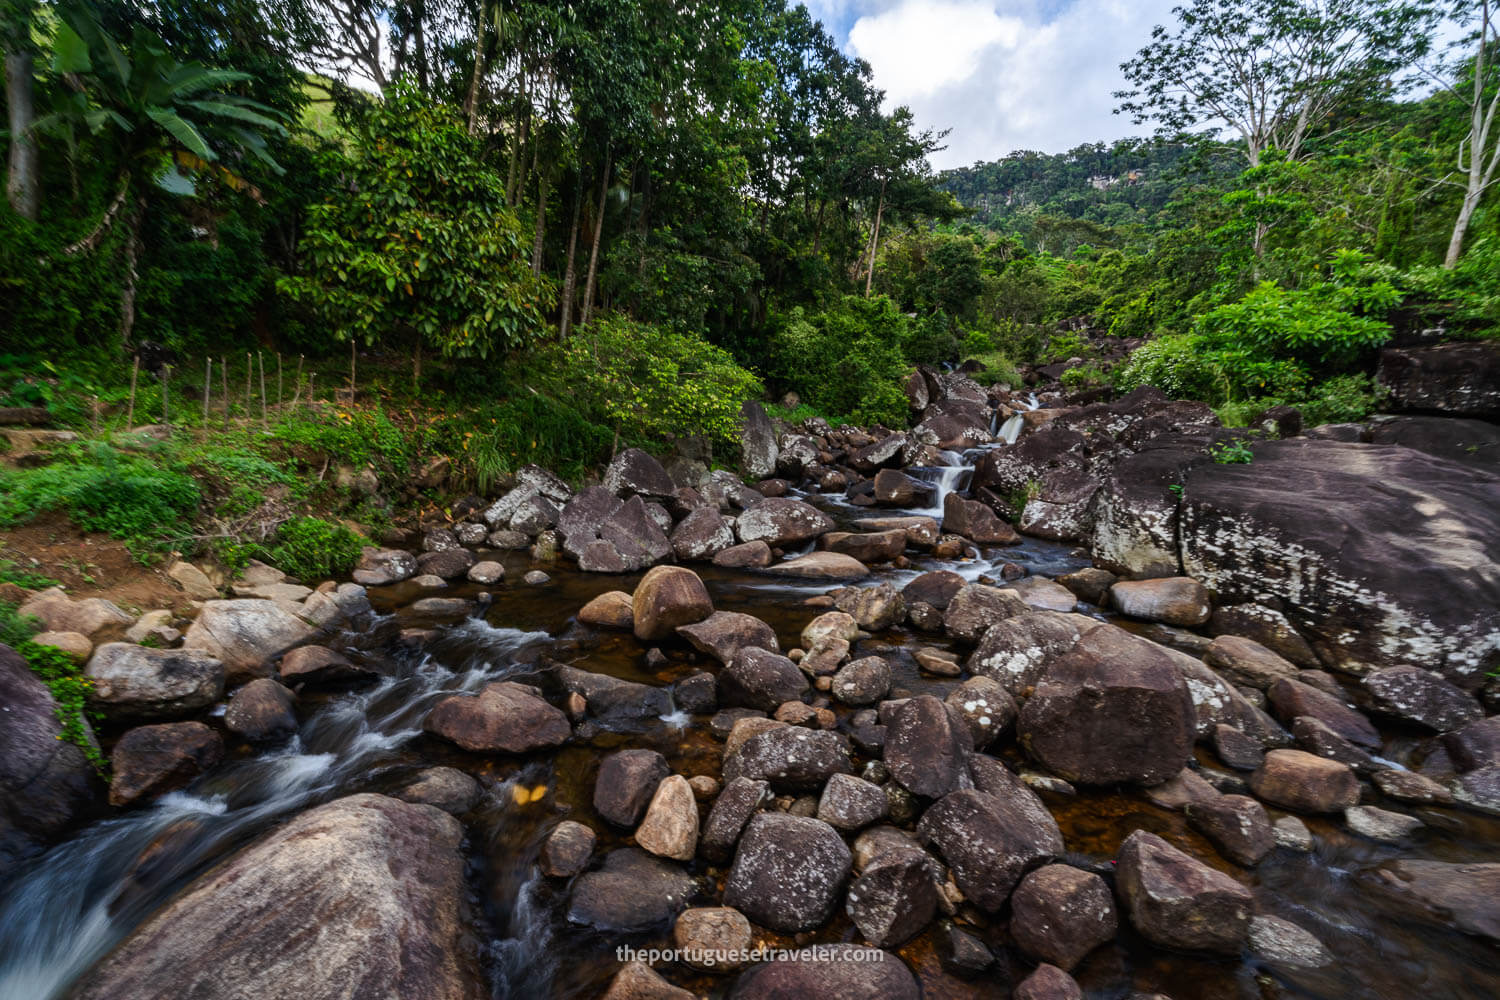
x=1179 y=366
x=533 y=428
x=64 y=678
x=352 y=435
x=997 y=367
x=846 y=359
x=311 y=548
x=1313 y=326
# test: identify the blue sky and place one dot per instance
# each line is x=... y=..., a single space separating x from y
x=1004 y=75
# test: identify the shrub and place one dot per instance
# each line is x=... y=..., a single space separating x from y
x=997 y=367
x=846 y=359
x=1313 y=326
x=533 y=428
x=353 y=435
x=311 y=548
x=1179 y=366
x=64 y=678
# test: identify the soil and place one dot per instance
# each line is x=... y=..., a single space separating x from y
x=89 y=564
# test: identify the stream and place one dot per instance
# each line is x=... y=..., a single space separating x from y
x=61 y=912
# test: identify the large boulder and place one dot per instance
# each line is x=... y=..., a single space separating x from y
x=140 y=682
x=788 y=872
x=505 y=717
x=666 y=597
x=245 y=635
x=1456 y=379
x=1059 y=914
x=361 y=897
x=703 y=534
x=843 y=971
x=151 y=760
x=262 y=711
x=779 y=522
x=633 y=472
x=791 y=758
x=46 y=782
x=1414 y=695
x=724 y=633
x=632 y=892
x=758 y=678
x=976 y=522
x=758 y=448
x=1176 y=901
x=1114 y=709
x=927 y=745
x=989 y=841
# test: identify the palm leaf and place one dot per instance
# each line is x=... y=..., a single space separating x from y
x=193 y=77
x=224 y=110
x=181 y=130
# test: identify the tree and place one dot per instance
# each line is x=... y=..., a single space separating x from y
x=22 y=186
x=1478 y=157
x=1273 y=71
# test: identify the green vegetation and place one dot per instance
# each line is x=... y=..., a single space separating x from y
x=310 y=548
x=64 y=678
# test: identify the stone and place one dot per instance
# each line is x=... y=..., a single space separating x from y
x=1302 y=782
x=1292 y=699
x=862 y=682
x=977 y=607
x=849 y=803
x=611 y=609
x=741 y=799
x=1178 y=902
x=937 y=588
x=626 y=784
x=1465 y=897
x=445 y=788
x=758 y=448
x=195 y=583
x=567 y=850
x=1048 y=982
x=1016 y=651
x=986 y=706
x=921 y=532
x=1043 y=594
x=867 y=547
x=46 y=783
x=893 y=488
x=1475 y=746
x=1293 y=834
x=712 y=938
x=631 y=893
x=1234 y=748
x=938 y=662
x=505 y=717
x=1236 y=824
x=1177 y=792
x=1316 y=738
x=261 y=924
x=446 y=564
x=893 y=899
x=471 y=535
x=821 y=566
x=76 y=645
x=319 y=666
x=697 y=693
x=874 y=609
x=792 y=758
x=1173 y=600
x=486 y=572
x=634 y=472
x=151 y=760
x=245 y=635
x=724 y=634
x=976 y=522
x=990 y=841
x=1059 y=914
x=780 y=522
x=638 y=981
x=1410 y=787
x=758 y=678
x=1282 y=943
x=844 y=971
x=1418 y=696
x=927 y=746
x=788 y=872
x=139 y=682
x=745 y=728
x=750 y=555
x=1381 y=824
x=666 y=597
x=670 y=829
x=1247 y=662
x=701 y=535
x=1114 y=709
x=94 y=617
x=830 y=625
x=1090 y=584
x=262 y=711
x=1460 y=379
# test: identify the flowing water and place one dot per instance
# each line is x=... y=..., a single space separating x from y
x=65 y=909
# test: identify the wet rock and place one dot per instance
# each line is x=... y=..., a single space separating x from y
x=1292 y=699
x=792 y=758
x=1040 y=593
x=1236 y=749
x=445 y=788
x=712 y=938
x=1173 y=600
x=638 y=981
x=505 y=717
x=1316 y=738
x=701 y=535
x=893 y=488
x=758 y=678
x=632 y=892
x=1414 y=695
x=1182 y=788
x=1293 y=834
x=927 y=746
x=1479 y=790
x=319 y=666
x=1268 y=628
x=1302 y=782
x=697 y=693
x=977 y=607
x=921 y=532
x=989 y=842
x=780 y=522
x=986 y=706
x=236 y=931
x=976 y=522
x=821 y=566
x=862 y=682
x=963 y=954
x=724 y=634
x=567 y=850
x=1462 y=896
x=894 y=899
x=937 y=588
x=139 y=682
x=446 y=564
x=750 y=555
x=1178 y=902
x=873 y=608
x=1048 y=982
x=1236 y=824
x=612 y=609
x=1475 y=746
x=613 y=701
x=741 y=799
x=666 y=597
x=849 y=803
x=788 y=872
x=939 y=662
x=626 y=783
x=670 y=829
x=845 y=971
x=1410 y=787
x=1090 y=584
x=634 y=472
x=1059 y=914
x=151 y=760
x=1247 y=662
x=1381 y=824
x=262 y=712
x=1113 y=709
x=871 y=547
x=486 y=572
x=245 y=636
x=1282 y=943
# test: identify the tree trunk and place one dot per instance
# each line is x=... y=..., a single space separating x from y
x=1483 y=160
x=132 y=273
x=1461 y=227
x=541 y=226
x=21 y=186
x=588 y=286
x=471 y=99
x=875 y=238
x=513 y=182
x=570 y=274
x=419 y=15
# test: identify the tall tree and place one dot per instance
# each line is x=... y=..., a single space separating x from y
x=22 y=185
x=1478 y=157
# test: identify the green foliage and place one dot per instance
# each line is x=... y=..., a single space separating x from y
x=1234 y=452
x=354 y=436
x=310 y=548
x=996 y=367
x=846 y=359
x=131 y=498
x=13 y=572
x=1316 y=326
x=1337 y=400
x=533 y=428
x=64 y=678
x=1178 y=366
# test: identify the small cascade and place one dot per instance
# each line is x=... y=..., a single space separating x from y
x=953 y=474
x=1011 y=429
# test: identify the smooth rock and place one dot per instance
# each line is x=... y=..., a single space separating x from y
x=140 y=682
x=151 y=760
x=667 y=597
x=1059 y=914
x=505 y=717
x=245 y=636
x=1302 y=782
x=670 y=829
x=626 y=784
x=1178 y=902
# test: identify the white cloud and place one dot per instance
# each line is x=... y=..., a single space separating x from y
x=1021 y=74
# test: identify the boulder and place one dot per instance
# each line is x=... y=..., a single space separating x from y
x=1089 y=584
x=937 y=588
x=893 y=488
x=1381 y=824
x=862 y=682
x=758 y=449
x=363 y=896
x=486 y=572
x=976 y=607
x=1291 y=699
x=1178 y=902
x=151 y=760
x=700 y=536
x=1301 y=782
x=445 y=788
x=446 y=564
x=626 y=784
x=1283 y=943
x=196 y=584
x=921 y=531
x=633 y=472
x=666 y=597
x=1174 y=600
x=751 y=555
x=1246 y=662
x=611 y=609
x=989 y=842
x=873 y=608
x=1461 y=379
x=567 y=850
x=792 y=758
x=1237 y=825
x=849 y=803
x=76 y=645
x=724 y=634
x=927 y=745
x=843 y=971
x=830 y=625
x=319 y=666
x=821 y=566
x=633 y=892
x=1044 y=595
x=1417 y=696
x=638 y=981
x=144 y=683
x=1048 y=982
x=894 y=898
x=780 y=522
x=93 y=617
x=788 y=872
x=1475 y=443
x=1059 y=914
x=245 y=636
x=1015 y=651
x=1316 y=738
x=670 y=829
x=1410 y=787
x=1475 y=746
x=976 y=522
x=986 y=706
x=759 y=678
x=629 y=538
x=1465 y=897
x=1114 y=709
x=712 y=938
x=741 y=799
x=504 y=718
x=262 y=711
x=867 y=547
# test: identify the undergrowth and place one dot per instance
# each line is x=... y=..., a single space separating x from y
x=64 y=678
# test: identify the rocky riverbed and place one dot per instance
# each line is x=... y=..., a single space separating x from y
x=1032 y=699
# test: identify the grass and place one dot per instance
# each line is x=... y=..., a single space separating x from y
x=13 y=572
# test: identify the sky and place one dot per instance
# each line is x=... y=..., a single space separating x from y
x=1004 y=75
